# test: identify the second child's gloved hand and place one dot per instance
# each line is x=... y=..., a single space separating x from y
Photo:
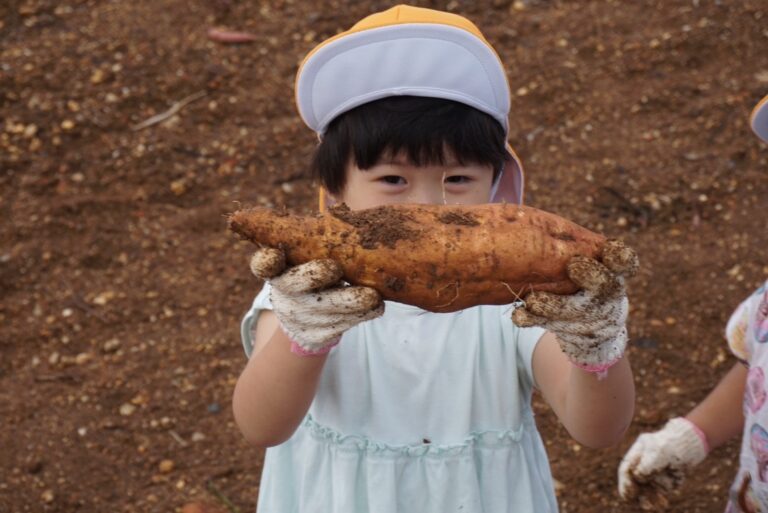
x=313 y=307
x=656 y=461
x=591 y=324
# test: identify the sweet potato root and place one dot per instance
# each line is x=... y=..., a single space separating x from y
x=438 y=257
x=230 y=36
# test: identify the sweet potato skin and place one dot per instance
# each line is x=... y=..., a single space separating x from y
x=441 y=258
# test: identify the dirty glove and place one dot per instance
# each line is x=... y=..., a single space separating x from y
x=313 y=307
x=656 y=461
x=591 y=324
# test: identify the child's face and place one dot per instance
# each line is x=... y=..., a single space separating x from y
x=396 y=180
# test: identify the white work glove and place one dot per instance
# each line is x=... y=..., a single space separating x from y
x=312 y=305
x=590 y=325
x=656 y=461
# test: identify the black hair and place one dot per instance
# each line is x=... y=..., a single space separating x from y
x=420 y=127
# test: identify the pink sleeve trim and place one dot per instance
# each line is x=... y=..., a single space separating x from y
x=300 y=351
x=600 y=370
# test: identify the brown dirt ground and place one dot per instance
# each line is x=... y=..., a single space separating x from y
x=121 y=290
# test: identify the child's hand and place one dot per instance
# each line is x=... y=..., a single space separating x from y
x=314 y=309
x=656 y=461
x=591 y=324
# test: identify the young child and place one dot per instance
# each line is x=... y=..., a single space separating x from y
x=657 y=461
x=367 y=407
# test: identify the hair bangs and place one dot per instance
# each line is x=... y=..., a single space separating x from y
x=426 y=131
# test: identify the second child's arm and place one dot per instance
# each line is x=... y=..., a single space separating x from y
x=657 y=461
x=721 y=415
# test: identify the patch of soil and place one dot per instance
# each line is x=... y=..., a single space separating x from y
x=121 y=290
x=459 y=218
x=377 y=226
x=395 y=284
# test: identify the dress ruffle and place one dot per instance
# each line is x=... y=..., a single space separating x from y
x=478 y=439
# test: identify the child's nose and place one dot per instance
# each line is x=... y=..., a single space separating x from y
x=432 y=195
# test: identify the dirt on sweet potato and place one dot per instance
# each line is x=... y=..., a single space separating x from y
x=377 y=226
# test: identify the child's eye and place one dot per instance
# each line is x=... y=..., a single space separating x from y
x=393 y=179
x=458 y=179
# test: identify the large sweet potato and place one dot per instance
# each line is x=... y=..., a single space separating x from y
x=441 y=258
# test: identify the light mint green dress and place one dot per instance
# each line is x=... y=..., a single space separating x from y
x=416 y=412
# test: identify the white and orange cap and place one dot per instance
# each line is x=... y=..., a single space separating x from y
x=759 y=119
x=409 y=51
